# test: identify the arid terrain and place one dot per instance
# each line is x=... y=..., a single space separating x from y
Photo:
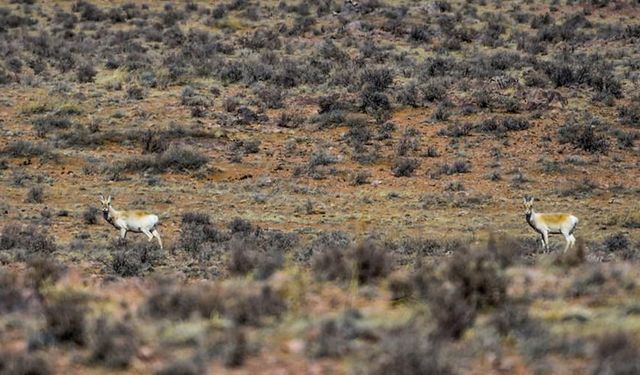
x=339 y=185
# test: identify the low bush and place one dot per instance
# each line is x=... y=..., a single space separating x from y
x=408 y=352
x=583 y=137
x=365 y=262
x=90 y=215
x=30 y=238
x=182 y=367
x=617 y=353
x=24 y=363
x=35 y=195
x=456 y=130
x=29 y=149
x=114 y=344
x=12 y=296
x=65 y=317
x=46 y=124
x=133 y=258
x=175 y=158
x=86 y=73
x=404 y=167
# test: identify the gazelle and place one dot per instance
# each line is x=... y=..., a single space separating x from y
x=554 y=223
x=130 y=221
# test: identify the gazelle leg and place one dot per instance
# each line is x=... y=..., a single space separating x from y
x=149 y=235
x=568 y=239
x=573 y=240
x=157 y=235
x=545 y=237
x=123 y=233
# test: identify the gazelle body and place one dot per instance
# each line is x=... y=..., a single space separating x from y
x=130 y=221
x=552 y=223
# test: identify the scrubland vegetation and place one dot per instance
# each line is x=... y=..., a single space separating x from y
x=339 y=186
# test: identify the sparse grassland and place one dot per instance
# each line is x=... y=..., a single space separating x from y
x=339 y=186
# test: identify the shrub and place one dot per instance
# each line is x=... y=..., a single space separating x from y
x=375 y=103
x=626 y=140
x=616 y=242
x=28 y=149
x=170 y=299
x=247 y=255
x=86 y=73
x=408 y=95
x=175 y=158
x=456 y=130
x=360 y=178
x=197 y=233
x=583 y=137
x=135 y=93
x=441 y=113
x=629 y=115
x=43 y=271
x=290 y=120
x=371 y=261
x=11 y=295
x=65 y=317
x=44 y=125
x=377 y=80
x=403 y=167
x=329 y=262
x=319 y=158
x=433 y=90
x=408 y=352
x=28 y=238
x=272 y=97
x=35 y=195
x=88 y=11
x=235 y=348
x=24 y=364
x=115 y=344
x=617 y=354
x=332 y=338
x=154 y=142
x=182 y=367
x=479 y=277
x=453 y=313
x=132 y=259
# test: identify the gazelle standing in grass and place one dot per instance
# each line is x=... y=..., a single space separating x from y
x=553 y=223
x=130 y=221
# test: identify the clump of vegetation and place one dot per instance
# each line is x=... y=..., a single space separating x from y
x=133 y=258
x=408 y=351
x=90 y=215
x=26 y=149
x=175 y=158
x=583 y=137
x=365 y=262
x=114 y=343
x=24 y=363
x=404 y=167
x=65 y=315
x=11 y=294
x=617 y=353
x=29 y=238
x=35 y=195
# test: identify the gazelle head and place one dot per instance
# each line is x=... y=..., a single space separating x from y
x=528 y=205
x=106 y=203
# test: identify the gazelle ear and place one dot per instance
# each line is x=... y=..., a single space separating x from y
x=530 y=199
x=101 y=197
x=524 y=199
x=109 y=199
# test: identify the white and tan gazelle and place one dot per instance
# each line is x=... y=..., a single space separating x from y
x=553 y=223
x=130 y=221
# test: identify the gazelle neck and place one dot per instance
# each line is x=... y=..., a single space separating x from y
x=112 y=214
